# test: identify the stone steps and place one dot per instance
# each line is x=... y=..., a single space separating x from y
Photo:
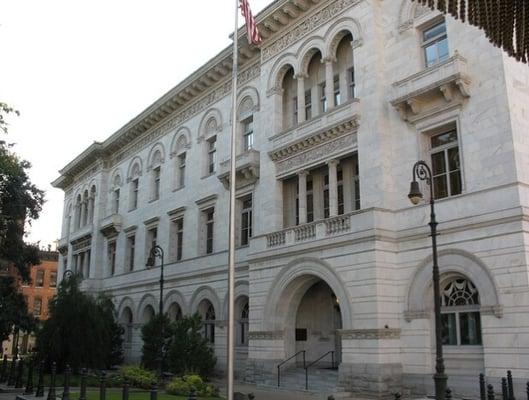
x=320 y=380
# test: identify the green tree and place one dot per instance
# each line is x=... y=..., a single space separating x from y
x=13 y=309
x=20 y=203
x=189 y=352
x=81 y=329
x=154 y=346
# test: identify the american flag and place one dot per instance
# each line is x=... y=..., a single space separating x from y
x=251 y=26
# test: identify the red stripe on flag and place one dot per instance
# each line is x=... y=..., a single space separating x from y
x=251 y=27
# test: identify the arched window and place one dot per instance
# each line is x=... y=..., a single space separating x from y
x=134 y=186
x=289 y=100
x=461 y=324
x=126 y=321
x=84 y=210
x=207 y=312
x=148 y=314
x=91 y=204
x=243 y=323
x=175 y=312
x=78 y=208
x=156 y=168
x=343 y=70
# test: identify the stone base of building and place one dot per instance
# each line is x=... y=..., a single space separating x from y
x=261 y=372
x=379 y=381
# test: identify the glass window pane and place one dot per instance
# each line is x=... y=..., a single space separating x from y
x=444 y=139
x=438 y=163
x=470 y=327
x=455 y=183
x=440 y=186
x=434 y=31
x=448 y=329
x=442 y=49
x=430 y=54
x=453 y=159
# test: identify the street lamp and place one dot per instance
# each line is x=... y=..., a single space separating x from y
x=422 y=172
x=157 y=251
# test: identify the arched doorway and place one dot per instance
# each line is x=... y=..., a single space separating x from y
x=317 y=323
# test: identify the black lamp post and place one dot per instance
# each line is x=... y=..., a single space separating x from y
x=157 y=251
x=67 y=274
x=422 y=172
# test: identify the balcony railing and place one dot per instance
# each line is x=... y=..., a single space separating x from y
x=311 y=231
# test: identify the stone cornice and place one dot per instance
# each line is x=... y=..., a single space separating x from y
x=283 y=38
x=313 y=140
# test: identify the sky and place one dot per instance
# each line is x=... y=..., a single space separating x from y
x=79 y=70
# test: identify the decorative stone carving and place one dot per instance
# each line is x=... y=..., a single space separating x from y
x=246 y=168
x=358 y=334
x=265 y=335
x=196 y=107
x=111 y=225
x=306 y=26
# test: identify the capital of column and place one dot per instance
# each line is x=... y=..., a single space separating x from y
x=328 y=60
x=301 y=75
x=303 y=173
x=333 y=162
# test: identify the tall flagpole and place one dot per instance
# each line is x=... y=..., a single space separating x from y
x=231 y=252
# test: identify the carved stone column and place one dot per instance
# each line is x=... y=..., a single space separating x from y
x=302 y=196
x=82 y=221
x=329 y=81
x=301 y=97
x=333 y=187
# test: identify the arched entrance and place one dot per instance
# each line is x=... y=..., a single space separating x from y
x=318 y=320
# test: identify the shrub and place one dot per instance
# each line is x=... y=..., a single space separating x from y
x=138 y=377
x=183 y=386
x=153 y=346
x=189 y=351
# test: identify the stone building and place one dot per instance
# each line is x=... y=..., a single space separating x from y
x=334 y=108
x=37 y=293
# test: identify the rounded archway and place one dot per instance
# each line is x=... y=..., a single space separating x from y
x=175 y=312
x=148 y=314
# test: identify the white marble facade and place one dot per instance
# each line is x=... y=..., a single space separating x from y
x=334 y=108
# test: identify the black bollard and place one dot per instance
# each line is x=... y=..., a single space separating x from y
x=154 y=391
x=20 y=374
x=82 y=394
x=29 y=383
x=51 y=393
x=490 y=392
x=3 y=373
x=527 y=389
x=66 y=391
x=192 y=395
x=40 y=383
x=510 y=387
x=102 y=386
x=504 y=391
x=398 y=396
x=448 y=394
x=12 y=373
x=125 y=393
x=482 y=388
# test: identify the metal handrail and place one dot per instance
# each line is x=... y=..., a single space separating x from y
x=284 y=361
x=331 y=352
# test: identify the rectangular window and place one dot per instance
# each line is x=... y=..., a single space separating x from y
x=37 y=306
x=341 y=208
x=351 y=82
x=310 y=199
x=115 y=206
x=156 y=187
x=181 y=170
x=336 y=91
x=308 y=104
x=323 y=98
x=212 y=154
x=179 y=227
x=446 y=169
x=449 y=329
x=210 y=221
x=134 y=194
x=39 y=279
x=53 y=279
x=112 y=257
x=461 y=328
x=435 y=44
x=131 y=248
x=248 y=133
x=246 y=220
x=152 y=235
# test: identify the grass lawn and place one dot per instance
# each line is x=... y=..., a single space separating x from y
x=115 y=394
